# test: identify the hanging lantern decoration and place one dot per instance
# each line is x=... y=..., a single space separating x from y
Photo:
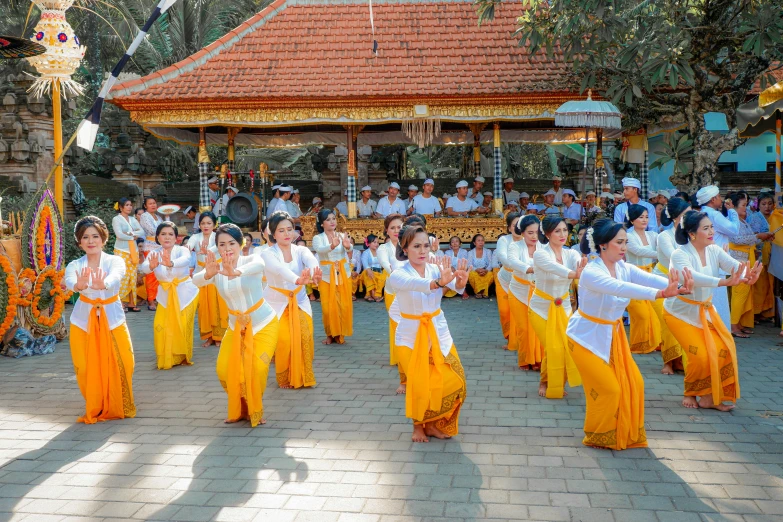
x=423 y=127
x=63 y=50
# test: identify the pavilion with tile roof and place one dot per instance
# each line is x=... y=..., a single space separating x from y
x=305 y=72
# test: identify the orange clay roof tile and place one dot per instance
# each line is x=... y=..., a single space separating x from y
x=324 y=50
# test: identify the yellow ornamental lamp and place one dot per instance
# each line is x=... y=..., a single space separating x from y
x=63 y=53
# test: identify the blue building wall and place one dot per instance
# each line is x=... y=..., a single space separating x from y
x=752 y=156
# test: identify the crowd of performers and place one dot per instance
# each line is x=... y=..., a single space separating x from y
x=560 y=305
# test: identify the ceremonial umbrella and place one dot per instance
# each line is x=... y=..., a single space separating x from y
x=12 y=48
x=590 y=114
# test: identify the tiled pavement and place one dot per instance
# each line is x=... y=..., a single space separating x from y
x=342 y=450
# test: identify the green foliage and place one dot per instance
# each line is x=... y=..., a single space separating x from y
x=677 y=148
x=662 y=61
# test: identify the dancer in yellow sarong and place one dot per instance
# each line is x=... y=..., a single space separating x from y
x=335 y=287
x=711 y=372
x=742 y=247
x=613 y=384
x=149 y=221
x=212 y=310
x=480 y=277
x=177 y=299
x=101 y=346
x=763 y=291
x=642 y=253
x=387 y=255
x=289 y=267
x=436 y=386
x=520 y=258
x=550 y=306
x=373 y=274
x=126 y=231
x=249 y=344
x=503 y=275
x=671 y=350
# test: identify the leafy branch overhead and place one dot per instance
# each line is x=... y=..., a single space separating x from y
x=663 y=61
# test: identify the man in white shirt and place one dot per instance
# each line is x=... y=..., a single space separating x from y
x=572 y=211
x=220 y=206
x=524 y=199
x=510 y=196
x=486 y=203
x=461 y=205
x=476 y=192
x=391 y=204
x=590 y=205
x=557 y=190
x=724 y=227
x=631 y=188
x=273 y=202
x=549 y=207
x=283 y=195
x=426 y=204
x=342 y=207
x=413 y=191
x=214 y=190
x=293 y=206
x=365 y=207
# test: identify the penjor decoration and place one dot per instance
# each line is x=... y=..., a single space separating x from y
x=63 y=50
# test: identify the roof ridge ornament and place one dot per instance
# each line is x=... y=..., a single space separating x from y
x=423 y=127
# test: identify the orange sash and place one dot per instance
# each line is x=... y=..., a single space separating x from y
x=242 y=357
x=103 y=382
x=558 y=359
x=134 y=252
x=425 y=391
x=712 y=350
x=296 y=364
x=629 y=413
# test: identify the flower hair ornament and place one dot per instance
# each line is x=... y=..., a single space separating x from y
x=117 y=205
x=366 y=243
x=627 y=215
x=590 y=242
x=666 y=211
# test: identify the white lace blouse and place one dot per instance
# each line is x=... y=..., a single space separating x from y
x=415 y=298
x=180 y=258
x=519 y=260
x=325 y=253
x=280 y=274
x=665 y=247
x=114 y=268
x=552 y=278
x=639 y=254
x=125 y=231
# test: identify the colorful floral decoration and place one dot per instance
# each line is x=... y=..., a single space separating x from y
x=63 y=52
x=48 y=298
x=25 y=282
x=9 y=294
x=42 y=240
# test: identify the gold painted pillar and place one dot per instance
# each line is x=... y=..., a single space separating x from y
x=353 y=173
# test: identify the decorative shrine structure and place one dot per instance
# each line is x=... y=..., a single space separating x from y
x=305 y=72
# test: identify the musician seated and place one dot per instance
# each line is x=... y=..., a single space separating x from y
x=460 y=205
x=486 y=204
x=572 y=211
x=549 y=207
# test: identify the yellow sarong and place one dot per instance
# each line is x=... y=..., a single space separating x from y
x=711 y=354
x=670 y=346
x=436 y=385
x=645 y=325
x=614 y=393
x=295 y=351
x=557 y=366
x=128 y=283
x=479 y=283
x=388 y=300
x=503 y=308
x=243 y=365
x=529 y=352
x=336 y=302
x=742 y=309
x=763 y=290
x=212 y=313
x=103 y=363
x=173 y=328
x=374 y=281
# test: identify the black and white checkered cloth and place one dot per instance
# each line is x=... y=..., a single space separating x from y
x=88 y=128
x=203 y=192
x=644 y=176
x=351 y=189
x=498 y=179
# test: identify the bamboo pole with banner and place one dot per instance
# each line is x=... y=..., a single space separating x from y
x=57 y=115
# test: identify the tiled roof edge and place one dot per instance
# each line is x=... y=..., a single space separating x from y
x=204 y=55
